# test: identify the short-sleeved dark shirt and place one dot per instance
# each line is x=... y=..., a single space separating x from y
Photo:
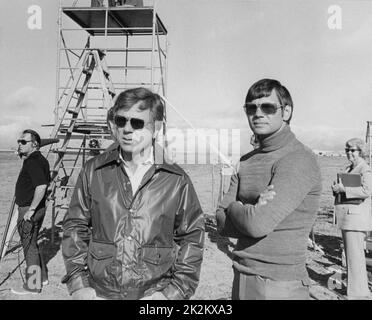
x=35 y=172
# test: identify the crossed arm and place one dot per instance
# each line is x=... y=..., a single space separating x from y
x=291 y=184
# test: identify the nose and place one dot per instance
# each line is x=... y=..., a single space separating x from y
x=259 y=112
x=128 y=127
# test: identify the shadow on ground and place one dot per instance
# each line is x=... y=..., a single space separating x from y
x=331 y=245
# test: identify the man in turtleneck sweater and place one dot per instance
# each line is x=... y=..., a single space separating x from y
x=272 y=202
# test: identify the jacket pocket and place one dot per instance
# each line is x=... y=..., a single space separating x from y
x=158 y=261
x=355 y=210
x=100 y=258
x=157 y=255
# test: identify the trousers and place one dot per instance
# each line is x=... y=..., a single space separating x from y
x=28 y=232
x=357 y=279
x=255 y=287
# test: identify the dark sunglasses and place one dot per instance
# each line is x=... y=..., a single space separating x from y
x=135 y=123
x=266 y=108
x=23 y=141
x=350 y=149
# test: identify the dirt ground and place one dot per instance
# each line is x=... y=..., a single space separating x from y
x=323 y=264
x=216 y=273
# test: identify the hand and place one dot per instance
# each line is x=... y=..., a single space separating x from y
x=157 y=295
x=28 y=215
x=338 y=187
x=84 y=294
x=267 y=195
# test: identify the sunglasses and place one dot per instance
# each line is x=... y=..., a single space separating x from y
x=266 y=108
x=23 y=141
x=352 y=150
x=135 y=123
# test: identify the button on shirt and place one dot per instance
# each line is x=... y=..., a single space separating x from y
x=136 y=177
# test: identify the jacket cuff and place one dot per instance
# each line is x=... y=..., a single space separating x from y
x=77 y=282
x=171 y=292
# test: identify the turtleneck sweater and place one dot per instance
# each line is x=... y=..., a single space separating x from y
x=272 y=238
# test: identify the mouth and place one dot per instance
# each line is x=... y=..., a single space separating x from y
x=259 y=124
x=127 y=140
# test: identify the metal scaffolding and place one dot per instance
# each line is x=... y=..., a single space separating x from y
x=101 y=51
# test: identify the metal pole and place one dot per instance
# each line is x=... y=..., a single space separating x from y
x=222 y=182
x=56 y=105
x=370 y=142
x=213 y=207
x=126 y=60
x=53 y=202
x=56 y=108
x=166 y=66
x=153 y=44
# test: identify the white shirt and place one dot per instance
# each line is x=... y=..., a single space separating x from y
x=136 y=177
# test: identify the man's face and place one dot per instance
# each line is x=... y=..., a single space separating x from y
x=29 y=147
x=132 y=140
x=266 y=124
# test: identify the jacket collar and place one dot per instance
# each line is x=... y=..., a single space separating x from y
x=161 y=162
x=358 y=167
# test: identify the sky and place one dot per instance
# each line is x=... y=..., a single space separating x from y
x=218 y=49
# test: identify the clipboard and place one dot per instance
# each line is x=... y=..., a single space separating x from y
x=349 y=180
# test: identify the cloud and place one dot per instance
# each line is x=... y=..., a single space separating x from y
x=23 y=99
x=10 y=131
x=24 y=108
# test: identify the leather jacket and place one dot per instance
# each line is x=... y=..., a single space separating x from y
x=128 y=246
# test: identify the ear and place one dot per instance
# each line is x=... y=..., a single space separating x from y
x=287 y=112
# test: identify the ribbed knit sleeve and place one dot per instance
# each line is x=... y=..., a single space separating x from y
x=224 y=224
x=296 y=180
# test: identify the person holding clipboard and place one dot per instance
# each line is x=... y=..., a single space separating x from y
x=352 y=192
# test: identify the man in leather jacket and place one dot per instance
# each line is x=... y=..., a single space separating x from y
x=134 y=228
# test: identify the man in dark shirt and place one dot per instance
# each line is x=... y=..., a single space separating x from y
x=30 y=193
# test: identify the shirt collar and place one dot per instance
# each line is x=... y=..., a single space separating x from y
x=148 y=161
x=113 y=155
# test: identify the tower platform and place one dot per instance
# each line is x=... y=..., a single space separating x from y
x=135 y=21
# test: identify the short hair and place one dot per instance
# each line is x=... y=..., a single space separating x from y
x=264 y=88
x=358 y=143
x=34 y=136
x=130 y=97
